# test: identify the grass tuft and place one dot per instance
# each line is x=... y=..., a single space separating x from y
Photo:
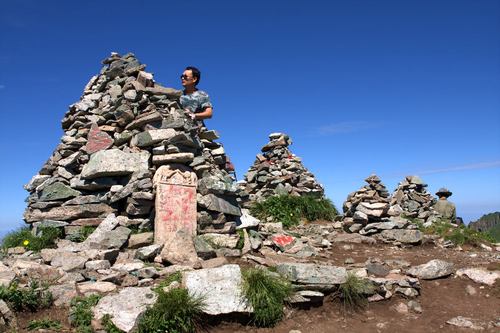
x=177 y=276
x=353 y=292
x=290 y=209
x=175 y=312
x=45 y=323
x=80 y=314
x=32 y=298
x=24 y=237
x=266 y=293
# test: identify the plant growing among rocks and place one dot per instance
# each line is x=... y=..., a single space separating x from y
x=290 y=209
x=267 y=293
x=24 y=237
x=80 y=315
x=457 y=235
x=352 y=293
x=44 y=323
x=175 y=312
x=32 y=298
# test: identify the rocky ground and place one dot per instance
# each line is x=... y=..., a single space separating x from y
x=454 y=282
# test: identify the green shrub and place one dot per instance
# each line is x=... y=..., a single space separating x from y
x=44 y=324
x=32 y=298
x=24 y=237
x=241 y=240
x=352 y=293
x=290 y=209
x=175 y=312
x=266 y=293
x=80 y=314
x=458 y=235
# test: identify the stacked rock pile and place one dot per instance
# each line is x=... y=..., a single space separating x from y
x=368 y=211
x=277 y=171
x=411 y=199
x=124 y=127
x=369 y=204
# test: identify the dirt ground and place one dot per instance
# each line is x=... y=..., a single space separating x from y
x=440 y=299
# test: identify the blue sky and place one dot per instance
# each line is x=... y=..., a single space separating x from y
x=391 y=87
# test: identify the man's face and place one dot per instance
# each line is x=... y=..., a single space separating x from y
x=187 y=78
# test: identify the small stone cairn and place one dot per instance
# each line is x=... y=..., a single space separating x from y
x=368 y=211
x=277 y=171
x=369 y=204
x=411 y=199
x=122 y=130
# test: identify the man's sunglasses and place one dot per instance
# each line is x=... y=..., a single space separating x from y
x=185 y=77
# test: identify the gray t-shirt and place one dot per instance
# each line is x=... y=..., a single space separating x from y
x=195 y=102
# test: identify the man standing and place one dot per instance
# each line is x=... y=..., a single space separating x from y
x=195 y=102
x=445 y=208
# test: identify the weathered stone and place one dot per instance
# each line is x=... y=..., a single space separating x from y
x=63 y=293
x=203 y=249
x=464 y=322
x=432 y=270
x=479 y=275
x=114 y=162
x=94 y=239
x=312 y=276
x=403 y=236
x=69 y=261
x=97 y=264
x=222 y=288
x=97 y=140
x=126 y=307
x=98 y=287
x=283 y=242
x=36 y=181
x=114 y=239
x=175 y=203
x=173 y=158
x=6 y=275
x=128 y=266
x=217 y=204
x=148 y=252
x=58 y=191
x=140 y=240
x=151 y=137
x=68 y=212
x=180 y=250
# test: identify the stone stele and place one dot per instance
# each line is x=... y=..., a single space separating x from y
x=175 y=202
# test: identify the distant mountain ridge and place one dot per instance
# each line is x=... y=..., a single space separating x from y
x=486 y=222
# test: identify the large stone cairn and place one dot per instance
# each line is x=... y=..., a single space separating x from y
x=369 y=204
x=277 y=171
x=124 y=128
x=411 y=199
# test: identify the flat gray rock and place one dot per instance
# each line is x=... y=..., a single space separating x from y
x=432 y=270
x=403 y=236
x=126 y=307
x=316 y=277
x=114 y=162
x=221 y=288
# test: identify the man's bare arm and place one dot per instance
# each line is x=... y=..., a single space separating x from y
x=205 y=114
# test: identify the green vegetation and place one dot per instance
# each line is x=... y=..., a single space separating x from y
x=175 y=312
x=80 y=313
x=108 y=325
x=353 y=292
x=45 y=323
x=241 y=240
x=32 y=298
x=24 y=237
x=267 y=294
x=290 y=209
x=458 y=235
x=495 y=233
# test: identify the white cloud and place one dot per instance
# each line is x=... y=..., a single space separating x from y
x=346 y=127
x=473 y=166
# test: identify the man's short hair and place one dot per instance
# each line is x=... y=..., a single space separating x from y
x=196 y=73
